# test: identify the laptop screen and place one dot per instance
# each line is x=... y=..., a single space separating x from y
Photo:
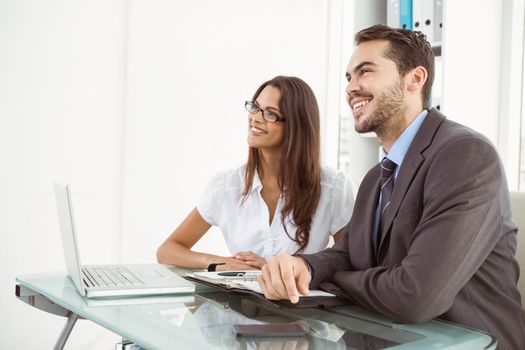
x=69 y=238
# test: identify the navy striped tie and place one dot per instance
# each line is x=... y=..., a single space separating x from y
x=386 y=181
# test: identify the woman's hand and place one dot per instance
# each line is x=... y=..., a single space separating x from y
x=250 y=258
x=232 y=264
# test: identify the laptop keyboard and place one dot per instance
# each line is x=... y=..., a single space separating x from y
x=109 y=276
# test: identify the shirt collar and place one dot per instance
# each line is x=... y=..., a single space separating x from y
x=256 y=183
x=400 y=147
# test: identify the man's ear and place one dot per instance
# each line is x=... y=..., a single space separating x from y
x=416 y=78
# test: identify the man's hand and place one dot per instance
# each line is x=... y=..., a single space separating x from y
x=285 y=277
x=250 y=258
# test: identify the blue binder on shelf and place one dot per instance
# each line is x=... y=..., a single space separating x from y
x=405 y=14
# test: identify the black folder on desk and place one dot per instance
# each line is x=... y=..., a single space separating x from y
x=230 y=285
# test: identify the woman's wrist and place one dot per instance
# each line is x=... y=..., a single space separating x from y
x=213 y=266
x=213 y=259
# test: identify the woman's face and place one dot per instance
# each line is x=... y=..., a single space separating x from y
x=261 y=133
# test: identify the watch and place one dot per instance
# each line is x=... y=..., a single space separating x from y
x=213 y=267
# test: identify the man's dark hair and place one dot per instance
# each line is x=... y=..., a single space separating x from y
x=407 y=49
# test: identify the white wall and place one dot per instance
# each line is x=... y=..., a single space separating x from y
x=61 y=117
x=157 y=119
x=510 y=131
x=191 y=67
x=472 y=32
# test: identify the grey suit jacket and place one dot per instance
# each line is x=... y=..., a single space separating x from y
x=448 y=246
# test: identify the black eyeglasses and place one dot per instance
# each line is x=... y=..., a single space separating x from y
x=269 y=116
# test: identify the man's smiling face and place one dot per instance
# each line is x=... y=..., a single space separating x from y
x=375 y=91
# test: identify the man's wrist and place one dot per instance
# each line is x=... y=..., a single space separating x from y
x=307 y=264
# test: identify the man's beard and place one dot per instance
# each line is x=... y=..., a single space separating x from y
x=388 y=113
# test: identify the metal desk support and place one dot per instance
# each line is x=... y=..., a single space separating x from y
x=40 y=302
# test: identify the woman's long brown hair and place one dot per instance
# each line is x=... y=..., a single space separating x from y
x=300 y=169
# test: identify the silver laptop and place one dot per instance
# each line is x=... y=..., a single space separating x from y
x=96 y=281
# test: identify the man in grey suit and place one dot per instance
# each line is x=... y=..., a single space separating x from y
x=431 y=232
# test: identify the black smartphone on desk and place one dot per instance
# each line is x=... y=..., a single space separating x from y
x=270 y=330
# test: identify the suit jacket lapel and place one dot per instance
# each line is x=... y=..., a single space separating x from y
x=411 y=163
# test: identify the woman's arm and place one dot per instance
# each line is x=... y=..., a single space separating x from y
x=176 y=249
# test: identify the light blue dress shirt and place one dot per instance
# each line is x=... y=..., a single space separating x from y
x=397 y=154
x=400 y=147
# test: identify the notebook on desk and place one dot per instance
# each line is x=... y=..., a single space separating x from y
x=97 y=281
x=246 y=282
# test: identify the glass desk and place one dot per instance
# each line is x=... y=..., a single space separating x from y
x=205 y=320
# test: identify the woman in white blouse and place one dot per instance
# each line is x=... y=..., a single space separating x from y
x=282 y=200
